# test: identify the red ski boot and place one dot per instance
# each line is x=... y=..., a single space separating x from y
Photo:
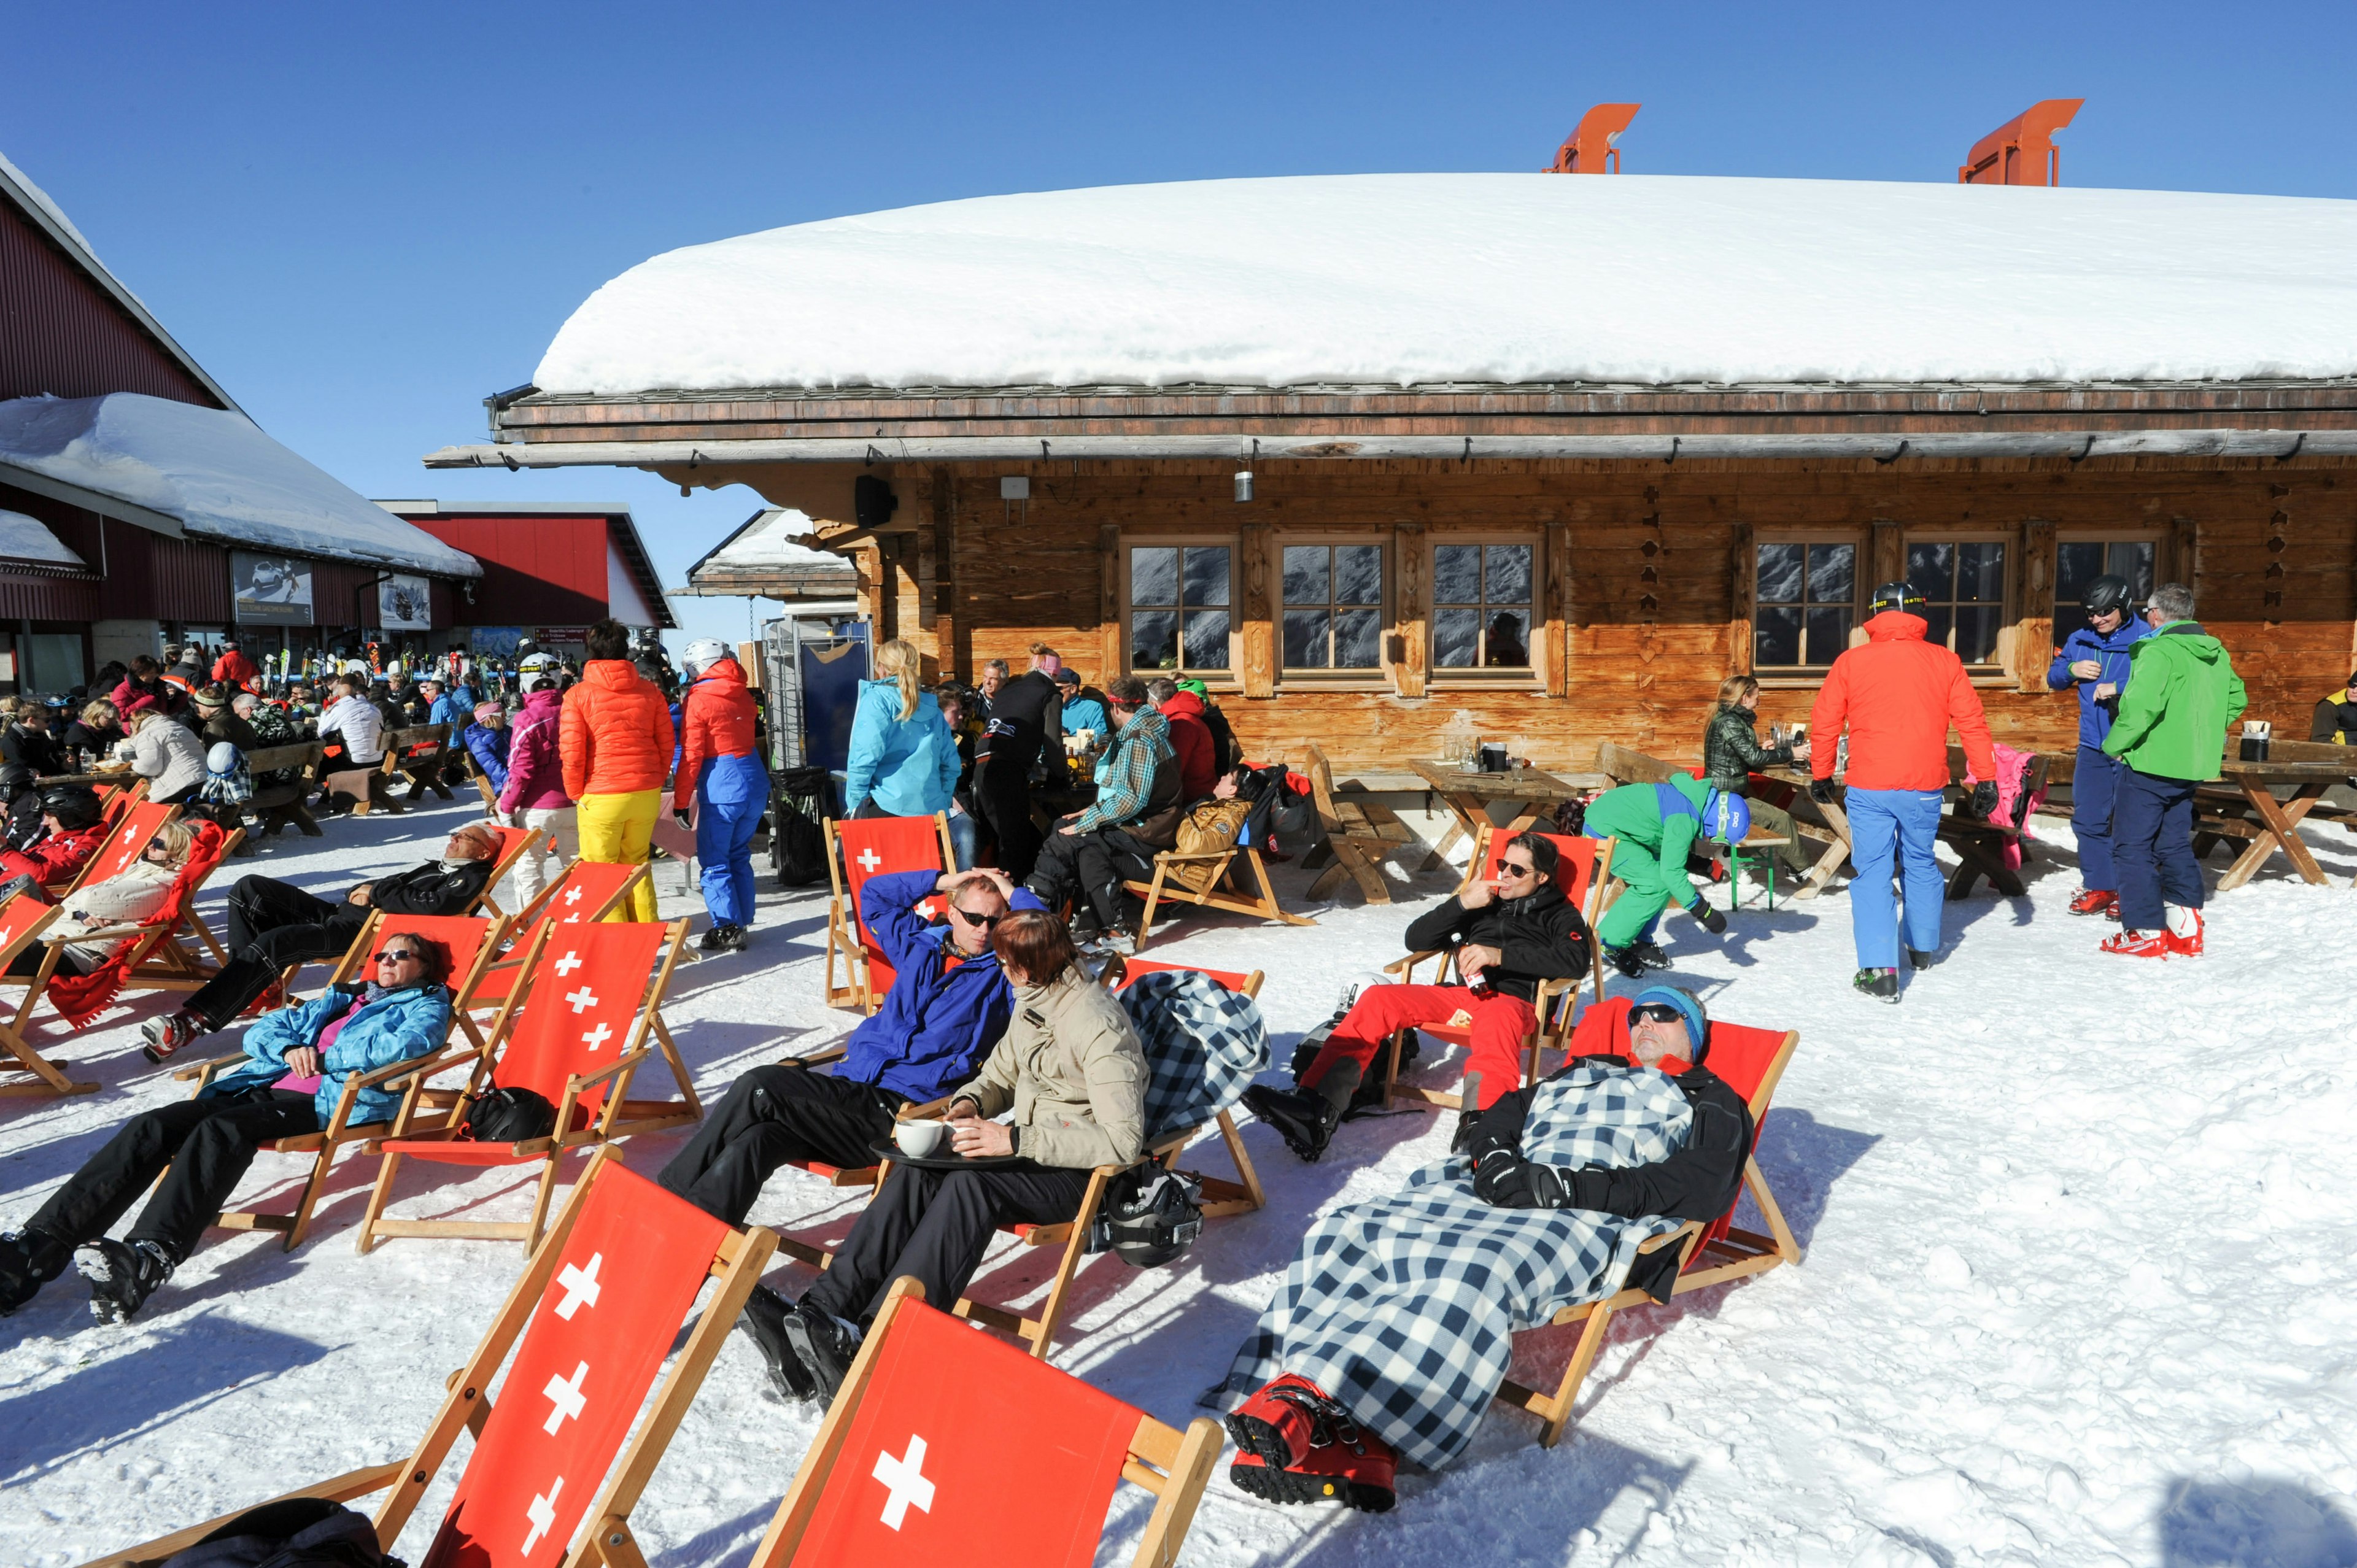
x=2140 y=944
x=1276 y=1427
x=2095 y=901
x=1294 y=1445
x=2189 y=945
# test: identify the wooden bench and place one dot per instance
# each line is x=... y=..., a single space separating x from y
x=275 y=807
x=423 y=752
x=1361 y=834
x=1980 y=845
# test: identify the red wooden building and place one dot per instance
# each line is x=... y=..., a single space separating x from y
x=549 y=569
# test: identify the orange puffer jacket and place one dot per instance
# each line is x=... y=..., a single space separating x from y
x=718 y=719
x=1897 y=695
x=616 y=736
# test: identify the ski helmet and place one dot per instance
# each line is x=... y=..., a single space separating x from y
x=223 y=757
x=1154 y=1221
x=73 y=805
x=702 y=654
x=534 y=663
x=2107 y=593
x=1727 y=818
x=1895 y=597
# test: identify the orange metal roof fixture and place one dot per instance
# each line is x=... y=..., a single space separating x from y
x=1594 y=147
x=2022 y=151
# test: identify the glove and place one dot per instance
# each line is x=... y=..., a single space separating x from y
x=680 y=817
x=1821 y=791
x=1984 y=798
x=1712 y=921
x=1509 y=1181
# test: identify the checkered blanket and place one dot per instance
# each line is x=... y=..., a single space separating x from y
x=1404 y=1308
x=1203 y=1042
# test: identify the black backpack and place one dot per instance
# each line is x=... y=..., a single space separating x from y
x=796 y=847
x=509 y=1116
x=297 y=1532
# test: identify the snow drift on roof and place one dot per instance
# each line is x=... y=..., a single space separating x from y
x=1493 y=277
x=24 y=537
x=771 y=539
x=217 y=473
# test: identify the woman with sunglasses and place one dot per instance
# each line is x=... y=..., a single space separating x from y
x=298 y=1059
x=1507 y=934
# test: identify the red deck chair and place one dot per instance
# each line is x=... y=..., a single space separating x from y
x=115 y=804
x=577 y=1039
x=148 y=956
x=941 y=1441
x=856 y=850
x=1750 y=1061
x=23 y=918
x=1583 y=868
x=467 y=943
x=1220 y=1197
x=598 y=1310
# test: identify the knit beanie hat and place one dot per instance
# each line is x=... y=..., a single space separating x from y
x=1689 y=1008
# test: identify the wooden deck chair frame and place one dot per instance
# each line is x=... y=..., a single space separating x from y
x=157 y=962
x=47 y=1076
x=642 y=1115
x=843 y=923
x=340 y=1133
x=1733 y=1256
x=1197 y=879
x=1174 y=1465
x=1360 y=835
x=606 y=1539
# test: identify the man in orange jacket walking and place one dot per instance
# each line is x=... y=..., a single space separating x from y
x=1897 y=695
x=616 y=740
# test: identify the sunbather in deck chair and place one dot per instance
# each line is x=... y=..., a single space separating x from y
x=305 y=1071
x=856 y=850
x=950 y=1487
x=1394 y=1328
x=1507 y=939
x=597 y=1309
x=513 y=841
x=589 y=1001
x=457 y=949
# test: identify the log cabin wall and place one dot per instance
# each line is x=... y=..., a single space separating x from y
x=1645 y=580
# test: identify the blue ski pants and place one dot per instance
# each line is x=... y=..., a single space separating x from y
x=1887 y=825
x=2093 y=784
x=730 y=795
x=2152 y=844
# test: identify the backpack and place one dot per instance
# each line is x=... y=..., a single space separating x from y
x=509 y=1116
x=295 y=1532
x=1279 y=811
x=1150 y=1217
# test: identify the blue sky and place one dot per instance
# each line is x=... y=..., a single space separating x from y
x=362 y=221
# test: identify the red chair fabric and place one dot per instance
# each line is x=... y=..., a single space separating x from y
x=1132 y=968
x=876 y=846
x=1575 y=861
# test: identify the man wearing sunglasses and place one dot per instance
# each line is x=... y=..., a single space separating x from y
x=948 y=1005
x=1507 y=935
x=298 y=1060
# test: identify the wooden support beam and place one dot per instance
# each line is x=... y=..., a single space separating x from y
x=1744 y=561
x=1257 y=607
x=1557 y=641
x=1410 y=653
x=2033 y=617
x=1112 y=659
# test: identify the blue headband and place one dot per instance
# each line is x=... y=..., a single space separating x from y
x=1697 y=1026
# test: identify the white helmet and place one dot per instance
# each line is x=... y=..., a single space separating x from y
x=702 y=653
x=533 y=662
x=222 y=758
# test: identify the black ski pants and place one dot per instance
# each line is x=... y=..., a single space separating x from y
x=1004 y=796
x=1092 y=864
x=769 y=1116
x=200 y=1148
x=936 y=1225
x=271 y=925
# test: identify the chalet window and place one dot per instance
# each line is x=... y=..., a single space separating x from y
x=1481 y=598
x=1806 y=604
x=1180 y=599
x=2079 y=562
x=1963 y=585
x=1333 y=607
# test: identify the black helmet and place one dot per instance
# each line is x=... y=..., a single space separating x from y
x=1895 y=597
x=1150 y=1217
x=73 y=805
x=2107 y=593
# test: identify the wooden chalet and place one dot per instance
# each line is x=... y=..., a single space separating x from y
x=1564 y=559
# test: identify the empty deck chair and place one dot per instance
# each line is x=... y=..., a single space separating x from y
x=940 y=1442
x=23 y=918
x=596 y=1312
x=588 y=1001
x=856 y=850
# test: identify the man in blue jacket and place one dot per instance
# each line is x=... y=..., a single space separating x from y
x=2096 y=658
x=948 y=1005
x=298 y=1059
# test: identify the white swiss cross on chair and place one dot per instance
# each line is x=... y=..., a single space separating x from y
x=596 y=1037
x=567 y=964
x=565 y=1399
x=582 y=1000
x=869 y=860
x=579 y=1285
x=904 y=1482
x=542 y=1511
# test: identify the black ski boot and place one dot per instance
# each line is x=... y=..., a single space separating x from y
x=711 y=941
x=1881 y=984
x=1626 y=960
x=1918 y=959
x=824 y=1348
x=764 y=1322
x=123 y=1275
x=28 y=1260
x=1650 y=954
x=1305 y=1121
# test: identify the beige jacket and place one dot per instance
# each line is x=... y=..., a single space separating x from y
x=1072 y=1066
x=126 y=898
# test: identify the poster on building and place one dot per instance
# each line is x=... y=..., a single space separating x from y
x=270 y=590
x=405 y=603
x=495 y=643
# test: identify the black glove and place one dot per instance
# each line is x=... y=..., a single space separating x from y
x=1712 y=921
x=1506 y=1179
x=1821 y=791
x=1984 y=798
x=680 y=817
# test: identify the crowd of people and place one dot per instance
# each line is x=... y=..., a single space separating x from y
x=1392 y=1330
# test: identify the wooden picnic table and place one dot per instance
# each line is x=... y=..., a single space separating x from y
x=2244 y=807
x=1468 y=795
x=1831 y=827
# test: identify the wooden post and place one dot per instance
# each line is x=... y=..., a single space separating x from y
x=2184 y=563
x=1257 y=611
x=1111 y=659
x=1412 y=650
x=2033 y=617
x=1744 y=602
x=1559 y=608
x=1887 y=556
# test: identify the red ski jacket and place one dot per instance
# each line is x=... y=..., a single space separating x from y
x=1897 y=695
x=718 y=719
x=55 y=858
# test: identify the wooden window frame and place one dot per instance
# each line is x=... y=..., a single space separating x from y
x=1533 y=674
x=1375 y=677
x=1240 y=609
x=1801 y=677
x=2000 y=669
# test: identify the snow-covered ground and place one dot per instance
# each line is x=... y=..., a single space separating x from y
x=2081 y=1283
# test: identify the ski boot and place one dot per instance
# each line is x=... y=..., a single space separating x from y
x=1917 y=959
x=123 y=1275
x=168 y=1034
x=2095 y=901
x=764 y=1322
x=28 y=1260
x=824 y=1348
x=1294 y=1445
x=1305 y=1121
x=1626 y=960
x=2186 y=944
x=1881 y=985
x=2140 y=944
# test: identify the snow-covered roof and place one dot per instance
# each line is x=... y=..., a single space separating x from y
x=24 y=537
x=215 y=474
x=1415 y=279
x=37 y=204
x=765 y=555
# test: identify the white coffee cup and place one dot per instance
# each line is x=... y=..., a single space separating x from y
x=921 y=1139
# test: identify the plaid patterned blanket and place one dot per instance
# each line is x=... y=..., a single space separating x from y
x=1402 y=1309
x=1204 y=1043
